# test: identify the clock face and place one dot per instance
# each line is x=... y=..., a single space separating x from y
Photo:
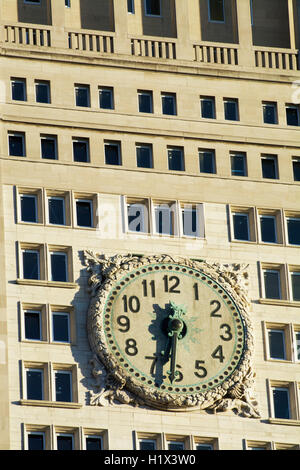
x=173 y=330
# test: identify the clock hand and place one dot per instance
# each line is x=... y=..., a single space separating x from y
x=175 y=327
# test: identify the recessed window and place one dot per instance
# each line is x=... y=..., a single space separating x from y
x=241 y=228
x=16 y=144
x=18 y=89
x=42 y=91
x=293 y=230
x=238 y=164
x=31 y=264
x=216 y=10
x=268 y=228
x=175 y=445
x=270 y=113
x=269 y=166
x=82 y=96
x=63 y=385
x=208 y=110
x=81 y=150
x=84 y=212
x=295 y=284
x=65 y=441
x=147 y=444
x=168 y=103
x=281 y=402
x=130 y=6
x=59 y=266
x=296 y=169
x=106 y=98
x=175 y=159
x=145 y=101
x=276 y=341
x=61 y=327
x=112 y=152
x=207 y=161
x=29 y=208
x=190 y=220
x=49 y=147
x=204 y=446
x=36 y=441
x=272 y=283
x=152 y=7
x=164 y=214
x=93 y=443
x=137 y=216
x=33 y=325
x=231 y=109
x=144 y=156
x=34 y=384
x=56 y=210
x=292 y=115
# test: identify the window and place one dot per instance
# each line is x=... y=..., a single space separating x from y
x=168 y=103
x=296 y=169
x=175 y=159
x=106 y=98
x=207 y=161
x=216 y=10
x=93 y=443
x=61 y=327
x=58 y=266
x=63 y=385
x=42 y=91
x=147 y=444
x=18 y=89
x=268 y=228
x=276 y=342
x=204 y=446
x=152 y=7
x=130 y=6
x=68 y=3
x=281 y=402
x=175 y=445
x=272 y=283
x=190 y=220
x=34 y=384
x=33 y=325
x=297 y=345
x=65 y=441
x=81 y=150
x=292 y=115
x=82 y=95
x=56 y=210
x=145 y=101
x=137 y=215
x=16 y=144
x=29 y=208
x=231 y=110
x=165 y=214
x=144 y=156
x=241 y=228
x=270 y=113
x=238 y=164
x=269 y=166
x=208 y=107
x=112 y=153
x=49 y=147
x=295 y=285
x=36 y=441
x=293 y=229
x=84 y=213
x=31 y=264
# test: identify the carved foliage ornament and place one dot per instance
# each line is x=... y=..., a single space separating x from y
x=170 y=333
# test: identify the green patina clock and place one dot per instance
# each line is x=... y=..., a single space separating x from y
x=171 y=333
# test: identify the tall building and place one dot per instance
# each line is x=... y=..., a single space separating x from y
x=150 y=224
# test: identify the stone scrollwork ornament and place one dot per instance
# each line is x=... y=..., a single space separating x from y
x=170 y=333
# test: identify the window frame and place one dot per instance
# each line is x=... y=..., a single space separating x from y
x=164 y=95
x=78 y=86
x=209 y=9
x=270 y=157
x=148 y=93
x=116 y=144
x=296 y=107
x=81 y=140
x=237 y=112
x=233 y=155
x=58 y=251
x=213 y=107
x=150 y=149
x=16 y=134
x=182 y=158
x=273 y=105
x=49 y=137
x=103 y=88
x=45 y=83
x=24 y=88
x=203 y=152
x=151 y=14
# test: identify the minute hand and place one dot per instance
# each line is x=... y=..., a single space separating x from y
x=175 y=327
x=173 y=372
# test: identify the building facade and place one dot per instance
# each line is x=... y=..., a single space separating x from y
x=151 y=128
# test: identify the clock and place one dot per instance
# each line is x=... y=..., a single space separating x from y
x=174 y=333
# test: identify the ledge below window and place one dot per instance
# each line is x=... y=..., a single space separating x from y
x=285 y=422
x=282 y=303
x=51 y=404
x=44 y=283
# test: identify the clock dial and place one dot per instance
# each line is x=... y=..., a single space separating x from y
x=172 y=328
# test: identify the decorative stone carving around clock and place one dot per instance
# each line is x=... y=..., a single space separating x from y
x=170 y=333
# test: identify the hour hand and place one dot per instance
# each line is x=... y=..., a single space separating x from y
x=175 y=327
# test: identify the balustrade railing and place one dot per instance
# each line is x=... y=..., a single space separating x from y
x=281 y=59
x=27 y=35
x=91 y=41
x=153 y=47
x=219 y=54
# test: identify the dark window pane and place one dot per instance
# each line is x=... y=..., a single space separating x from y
x=112 y=154
x=64 y=443
x=42 y=92
x=56 y=211
x=16 y=145
x=281 y=403
x=63 y=386
x=60 y=327
x=48 y=149
x=30 y=265
x=147 y=445
x=93 y=443
x=293 y=226
x=145 y=103
x=153 y=7
x=269 y=112
x=276 y=344
x=241 y=226
x=106 y=98
x=32 y=326
x=204 y=447
x=144 y=157
x=269 y=168
x=35 y=442
x=34 y=380
x=292 y=116
x=216 y=10
x=296 y=170
x=175 y=160
x=175 y=446
x=58 y=267
x=207 y=108
x=82 y=96
x=168 y=104
x=18 y=90
x=80 y=151
x=296 y=286
x=268 y=229
x=28 y=208
x=207 y=162
x=272 y=286
x=238 y=165
x=231 y=113
x=84 y=213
